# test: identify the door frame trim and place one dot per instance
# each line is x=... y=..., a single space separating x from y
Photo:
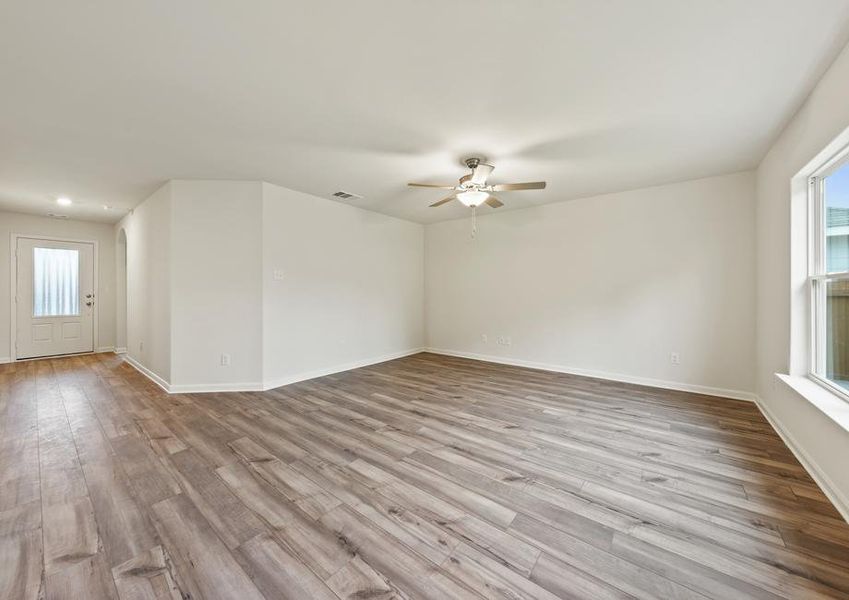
x=13 y=288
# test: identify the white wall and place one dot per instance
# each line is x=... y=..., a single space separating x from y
x=823 y=117
x=148 y=229
x=609 y=285
x=216 y=283
x=201 y=263
x=351 y=290
x=80 y=230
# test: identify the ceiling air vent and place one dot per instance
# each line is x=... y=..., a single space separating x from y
x=346 y=195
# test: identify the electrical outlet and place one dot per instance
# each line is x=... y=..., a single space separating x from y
x=675 y=358
x=484 y=338
x=508 y=341
x=504 y=340
x=279 y=275
x=225 y=360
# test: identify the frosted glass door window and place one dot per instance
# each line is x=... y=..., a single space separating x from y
x=56 y=282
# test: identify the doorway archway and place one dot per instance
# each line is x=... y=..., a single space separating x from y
x=121 y=292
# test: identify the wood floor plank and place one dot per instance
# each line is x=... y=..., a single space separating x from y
x=123 y=527
x=233 y=521
x=566 y=581
x=311 y=541
x=146 y=577
x=279 y=574
x=416 y=531
x=70 y=534
x=19 y=479
x=88 y=579
x=490 y=577
x=21 y=518
x=21 y=566
x=616 y=571
x=391 y=559
x=160 y=436
x=204 y=566
x=295 y=486
x=358 y=580
x=266 y=502
x=149 y=481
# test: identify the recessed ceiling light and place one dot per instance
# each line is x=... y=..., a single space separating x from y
x=63 y=200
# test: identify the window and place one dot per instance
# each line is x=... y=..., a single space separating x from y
x=55 y=282
x=829 y=274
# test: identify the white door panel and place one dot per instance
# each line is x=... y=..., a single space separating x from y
x=54 y=298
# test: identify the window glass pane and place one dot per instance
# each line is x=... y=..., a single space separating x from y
x=837 y=333
x=836 y=193
x=56 y=282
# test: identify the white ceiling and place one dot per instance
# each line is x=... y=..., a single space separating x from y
x=103 y=101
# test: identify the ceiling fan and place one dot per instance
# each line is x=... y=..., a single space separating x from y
x=473 y=189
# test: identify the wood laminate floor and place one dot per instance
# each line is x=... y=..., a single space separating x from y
x=425 y=477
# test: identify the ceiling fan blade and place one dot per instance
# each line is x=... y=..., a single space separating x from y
x=432 y=185
x=481 y=172
x=494 y=202
x=510 y=187
x=443 y=201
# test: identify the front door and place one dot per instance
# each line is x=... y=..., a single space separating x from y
x=55 y=298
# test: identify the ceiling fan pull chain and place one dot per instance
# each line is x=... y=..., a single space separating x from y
x=474 y=222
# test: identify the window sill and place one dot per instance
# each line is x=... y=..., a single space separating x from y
x=829 y=403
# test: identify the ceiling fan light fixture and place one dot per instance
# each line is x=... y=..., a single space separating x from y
x=472 y=198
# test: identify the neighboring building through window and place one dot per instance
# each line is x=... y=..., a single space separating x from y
x=837 y=238
x=830 y=275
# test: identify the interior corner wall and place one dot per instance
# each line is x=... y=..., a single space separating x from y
x=823 y=116
x=35 y=225
x=342 y=286
x=608 y=286
x=286 y=284
x=216 y=285
x=148 y=231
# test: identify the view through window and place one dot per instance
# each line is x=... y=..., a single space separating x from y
x=830 y=277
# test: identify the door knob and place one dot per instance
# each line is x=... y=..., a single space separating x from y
x=89 y=303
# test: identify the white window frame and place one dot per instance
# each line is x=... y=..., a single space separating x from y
x=818 y=276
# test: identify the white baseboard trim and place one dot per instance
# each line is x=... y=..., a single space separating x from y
x=656 y=383
x=269 y=384
x=190 y=388
x=147 y=373
x=838 y=499
x=105 y=349
x=120 y=350
x=199 y=388
x=5 y=359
